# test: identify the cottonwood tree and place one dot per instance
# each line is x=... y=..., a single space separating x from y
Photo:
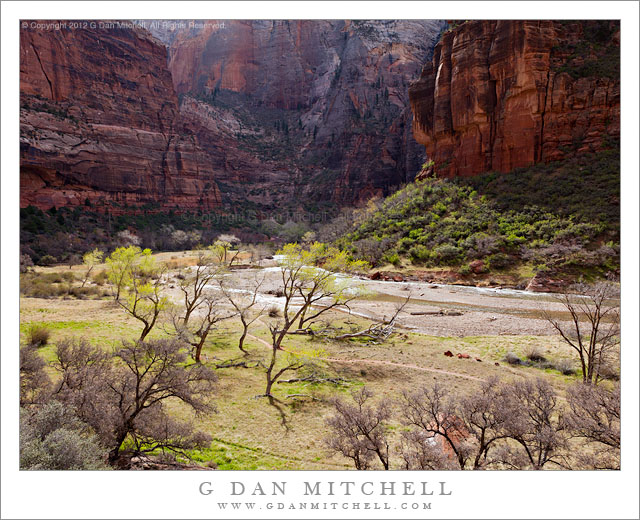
x=358 y=431
x=533 y=420
x=195 y=281
x=278 y=365
x=246 y=307
x=90 y=260
x=122 y=394
x=257 y=253
x=439 y=439
x=144 y=298
x=122 y=262
x=223 y=245
x=594 y=415
x=308 y=291
x=201 y=311
x=198 y=327
x=594 y=328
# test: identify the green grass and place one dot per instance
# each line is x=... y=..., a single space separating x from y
x=247 y=431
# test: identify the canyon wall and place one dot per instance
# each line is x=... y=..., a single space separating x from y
x=100 y=124
x=499 y=95
x=302 y=111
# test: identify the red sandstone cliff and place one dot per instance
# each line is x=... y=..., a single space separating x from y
x=504 y=94
x=99 y=120
x=339 y=88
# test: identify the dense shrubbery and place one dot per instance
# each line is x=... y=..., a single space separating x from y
x=562 y=214
x=56 y=285
x=597 y=54
x=53 y=438
x=63 y=235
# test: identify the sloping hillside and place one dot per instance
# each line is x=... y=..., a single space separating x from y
x=561 y=217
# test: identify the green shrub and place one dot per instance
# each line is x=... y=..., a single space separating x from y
x=47 y=260
x=512 y=359
x=100 y=278
x=53 y=438
x=465 y=270
x=498 y=261
x=447 y=253
x=492 y=216
x=392 y=258
x=37 y=335
x=419 y=254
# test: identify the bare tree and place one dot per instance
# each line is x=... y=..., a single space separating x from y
x=533 y=419
x=420 y=450
x=483 y=418
x=257 y=253
x=195 y=282
x=452 y=432
x=202 y=310
x=377 y=332
x=594 y=330
x=122 y=395
x=245 y=307
x=358 y=430
x=594 y=415
x=196 y=330
x=434 y=414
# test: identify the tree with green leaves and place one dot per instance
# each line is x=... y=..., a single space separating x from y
x=143 y=297
x=122 y=262
x=310 y=288
x=222 y=246
x=90 y=260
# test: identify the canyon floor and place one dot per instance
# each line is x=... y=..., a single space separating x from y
x=249 y=433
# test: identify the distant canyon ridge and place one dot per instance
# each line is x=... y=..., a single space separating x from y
x=300 y=114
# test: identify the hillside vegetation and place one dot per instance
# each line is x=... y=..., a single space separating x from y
x=563 y=216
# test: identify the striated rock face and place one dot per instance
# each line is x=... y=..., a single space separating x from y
x=302 y=110
x=100 y=124
x=499 y=95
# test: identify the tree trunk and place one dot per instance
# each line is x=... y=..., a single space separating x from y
x=114 y=453
x=267 y=392
x=301 y=322
x=145 y=332
x=198 y=351
x=241 y=341
x=187 y=315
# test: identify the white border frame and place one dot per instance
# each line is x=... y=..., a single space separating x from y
x=175 y=494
